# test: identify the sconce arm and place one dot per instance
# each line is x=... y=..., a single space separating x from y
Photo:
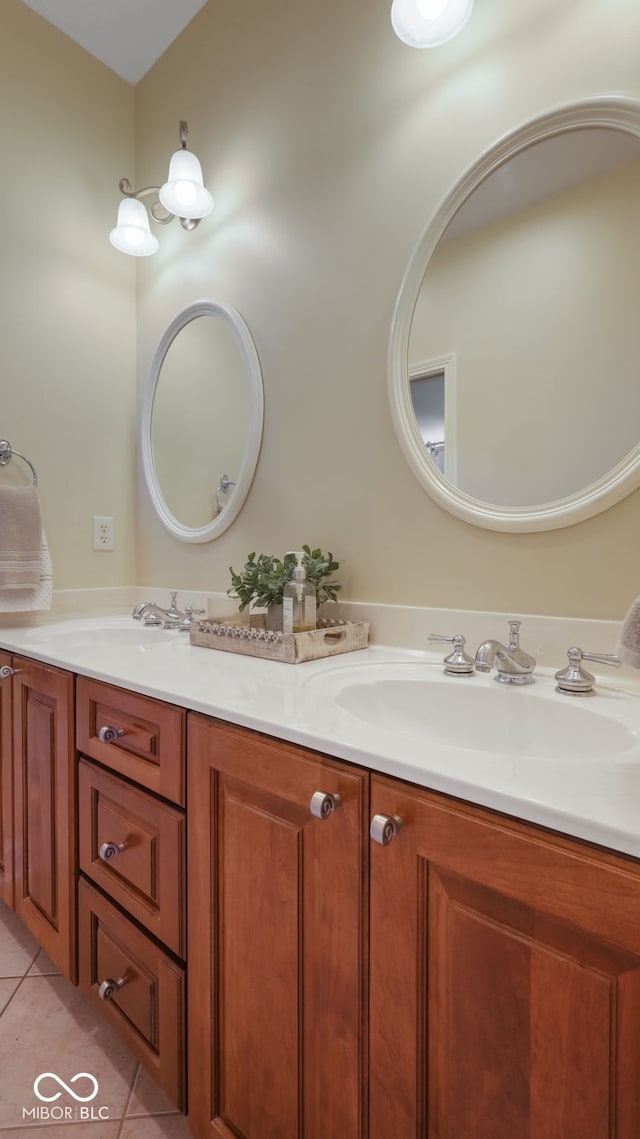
x=157 y=211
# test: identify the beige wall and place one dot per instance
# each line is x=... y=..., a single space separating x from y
x=540 y=309
x=67 y=319
x=327 y=144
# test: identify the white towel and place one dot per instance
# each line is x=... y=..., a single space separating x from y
x=628 y=647
x=20 y=530
x=40 y=597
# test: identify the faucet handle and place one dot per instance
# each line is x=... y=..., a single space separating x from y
x=514 y=634
x=574 y=679
x=189 y=614
x=458 y=663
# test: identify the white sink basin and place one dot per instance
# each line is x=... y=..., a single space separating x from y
x=476 y=714
x=110 y=632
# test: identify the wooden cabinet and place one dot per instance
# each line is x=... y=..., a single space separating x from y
x=137 y=986
x=505 y=979
x=134 y=735
x=277 y=934
x=45 y=808
x=472 y=978
x=132 y=847
x=6 y=787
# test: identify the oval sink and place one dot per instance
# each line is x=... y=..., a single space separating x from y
x=476 y=714
x=112 y=632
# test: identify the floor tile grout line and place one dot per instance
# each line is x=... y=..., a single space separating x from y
x=12 y=977
x=21 y=981
x=123 y=1118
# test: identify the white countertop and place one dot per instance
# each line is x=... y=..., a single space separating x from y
x=594 y=796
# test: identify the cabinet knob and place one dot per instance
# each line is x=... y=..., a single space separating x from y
x=110 y=850
x=384 y=827
x=6 y=671
x=109 y=988
x=323 y=804
x=107 y=734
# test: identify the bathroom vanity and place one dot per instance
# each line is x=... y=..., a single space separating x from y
x=296 y=941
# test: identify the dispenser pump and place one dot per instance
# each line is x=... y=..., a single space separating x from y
x=299 y=572
x=298 y=599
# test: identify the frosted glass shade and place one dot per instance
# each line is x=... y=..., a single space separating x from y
x=184 y=193
x=132 y=234
x=429 y=23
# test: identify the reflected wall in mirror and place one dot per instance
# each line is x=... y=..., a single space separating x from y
x=202 y=421
x=527 y=277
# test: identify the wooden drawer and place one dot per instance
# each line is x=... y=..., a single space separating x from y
x=148 y=743
x=148 y=1009
x=147 y=877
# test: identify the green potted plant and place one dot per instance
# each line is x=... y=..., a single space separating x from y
x=264 y=576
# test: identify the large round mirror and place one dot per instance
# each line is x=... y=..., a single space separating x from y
x=515 y=345
x=202 y=421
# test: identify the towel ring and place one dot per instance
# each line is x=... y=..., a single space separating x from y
x=6 y=454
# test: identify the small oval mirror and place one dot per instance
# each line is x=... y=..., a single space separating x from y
x=202 y=419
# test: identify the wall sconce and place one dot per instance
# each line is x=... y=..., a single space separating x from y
x=183 y=195
x=429 y=23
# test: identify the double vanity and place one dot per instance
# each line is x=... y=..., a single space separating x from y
x=353 y=899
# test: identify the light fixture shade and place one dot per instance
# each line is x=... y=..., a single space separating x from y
x=184 y=193
x=429 y=23
x=132 y=234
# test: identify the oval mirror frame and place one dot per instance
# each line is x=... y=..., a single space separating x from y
x=618 y=112
x=255 y=417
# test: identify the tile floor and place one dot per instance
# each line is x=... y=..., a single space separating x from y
x=46 y=1025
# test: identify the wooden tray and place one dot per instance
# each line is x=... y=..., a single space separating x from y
x=292 y=648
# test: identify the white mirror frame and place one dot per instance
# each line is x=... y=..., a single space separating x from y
x=255 y=417
x=619 y=112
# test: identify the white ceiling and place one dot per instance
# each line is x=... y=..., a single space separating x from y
x=127 y=35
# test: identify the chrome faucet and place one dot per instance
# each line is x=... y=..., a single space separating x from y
x=512 y=664
x=150 y=613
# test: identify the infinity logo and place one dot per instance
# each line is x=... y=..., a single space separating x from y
x=70 y=1091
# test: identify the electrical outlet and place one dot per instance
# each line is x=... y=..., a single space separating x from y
x=102 y=533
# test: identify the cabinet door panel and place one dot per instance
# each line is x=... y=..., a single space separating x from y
x=149 y=746
x=147 y=877
x=44 y=794
x=147 y=1010
x=277 y=918
x=6 y=788
x=510 y=1015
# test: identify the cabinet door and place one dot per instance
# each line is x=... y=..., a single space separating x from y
x=505 y=979
x=6 y=788
x=277 y=918
x=44 y=798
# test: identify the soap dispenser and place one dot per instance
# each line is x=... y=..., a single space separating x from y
x=298 y=600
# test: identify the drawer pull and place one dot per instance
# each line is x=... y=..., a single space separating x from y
x=109 y=988
x=323 y=804
x=110 y=850
x=6 y=671
x=108 y=734
x=384 y=827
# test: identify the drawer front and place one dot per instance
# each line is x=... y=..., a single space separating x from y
x=133 y=846
x=147 y=742
x=146 y=1002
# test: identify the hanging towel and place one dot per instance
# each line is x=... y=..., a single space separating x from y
x=628 y=647
x=22 y=600
x=20 y=538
